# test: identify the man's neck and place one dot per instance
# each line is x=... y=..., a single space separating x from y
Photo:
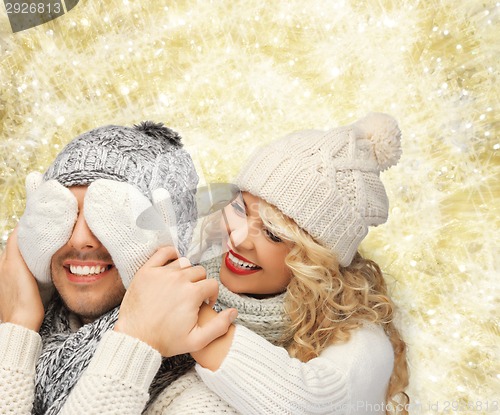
x=76 y=321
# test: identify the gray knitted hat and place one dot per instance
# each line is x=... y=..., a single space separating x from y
x=148 y=156
x=328 y=182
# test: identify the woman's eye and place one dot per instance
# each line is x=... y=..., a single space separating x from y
x=238 y=208
x=272 y=236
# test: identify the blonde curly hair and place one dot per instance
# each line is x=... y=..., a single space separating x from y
x=325 y=302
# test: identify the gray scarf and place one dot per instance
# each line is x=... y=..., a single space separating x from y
x=265 y=317
x=66 y=354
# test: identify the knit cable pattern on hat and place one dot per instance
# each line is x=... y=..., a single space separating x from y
x=328 y=182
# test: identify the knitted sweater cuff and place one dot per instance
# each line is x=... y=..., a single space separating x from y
x=126 y=359
x=19 y=347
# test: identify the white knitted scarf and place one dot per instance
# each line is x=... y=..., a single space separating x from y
x=66 y=354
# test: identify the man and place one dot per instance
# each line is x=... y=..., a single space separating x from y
x=91 y=229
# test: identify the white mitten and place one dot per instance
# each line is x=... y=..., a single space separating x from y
x=127 y=224
x=162 y=203
x=46 y=225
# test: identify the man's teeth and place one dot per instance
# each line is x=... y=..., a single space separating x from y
x=78 y=270
x=241 y=263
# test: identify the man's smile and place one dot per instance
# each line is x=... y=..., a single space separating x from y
x=85 y=272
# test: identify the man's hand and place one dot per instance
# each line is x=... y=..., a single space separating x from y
x=20 y=301
x=161 y=305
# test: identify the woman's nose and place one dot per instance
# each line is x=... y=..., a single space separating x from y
x=240 y=237
x=236 y=226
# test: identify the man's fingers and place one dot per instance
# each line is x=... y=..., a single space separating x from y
x=162 y=256
x=208 y=291
x=180 y=263
x=188 y=272
x=167 y=256
x=12 y=254
x=12 y=247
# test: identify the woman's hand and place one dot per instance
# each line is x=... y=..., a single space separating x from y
x=161 y=305
x=20 y=301
x=212 y=356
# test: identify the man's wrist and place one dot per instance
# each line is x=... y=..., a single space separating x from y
x=19 y=346
x=123 y=327
x=126 y=358
x=24 y=320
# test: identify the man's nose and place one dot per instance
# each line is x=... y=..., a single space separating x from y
x=82 y=237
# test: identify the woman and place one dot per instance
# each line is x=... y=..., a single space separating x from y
x=314 y=332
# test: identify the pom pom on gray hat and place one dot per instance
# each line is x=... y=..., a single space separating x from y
x=328 y=182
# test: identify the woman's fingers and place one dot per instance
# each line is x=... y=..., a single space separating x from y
x=201 y=336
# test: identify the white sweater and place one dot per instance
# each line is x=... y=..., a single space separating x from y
x=350 y=378
x=259 y=378
x=255 y=378
x=116 y=381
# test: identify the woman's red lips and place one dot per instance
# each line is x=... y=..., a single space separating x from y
x=239 y=265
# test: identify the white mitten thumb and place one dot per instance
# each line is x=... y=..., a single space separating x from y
x=162 y=203
x=33 y=182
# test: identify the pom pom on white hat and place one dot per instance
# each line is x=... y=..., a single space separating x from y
x=328 y=182
x=384 y=134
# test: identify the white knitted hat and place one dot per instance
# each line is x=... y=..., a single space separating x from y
x=328 y=182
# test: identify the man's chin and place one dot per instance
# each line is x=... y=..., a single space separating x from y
x=89 y=308
x=88 y=313
x=89 y=301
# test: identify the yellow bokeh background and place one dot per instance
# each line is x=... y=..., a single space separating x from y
x=232 y=75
